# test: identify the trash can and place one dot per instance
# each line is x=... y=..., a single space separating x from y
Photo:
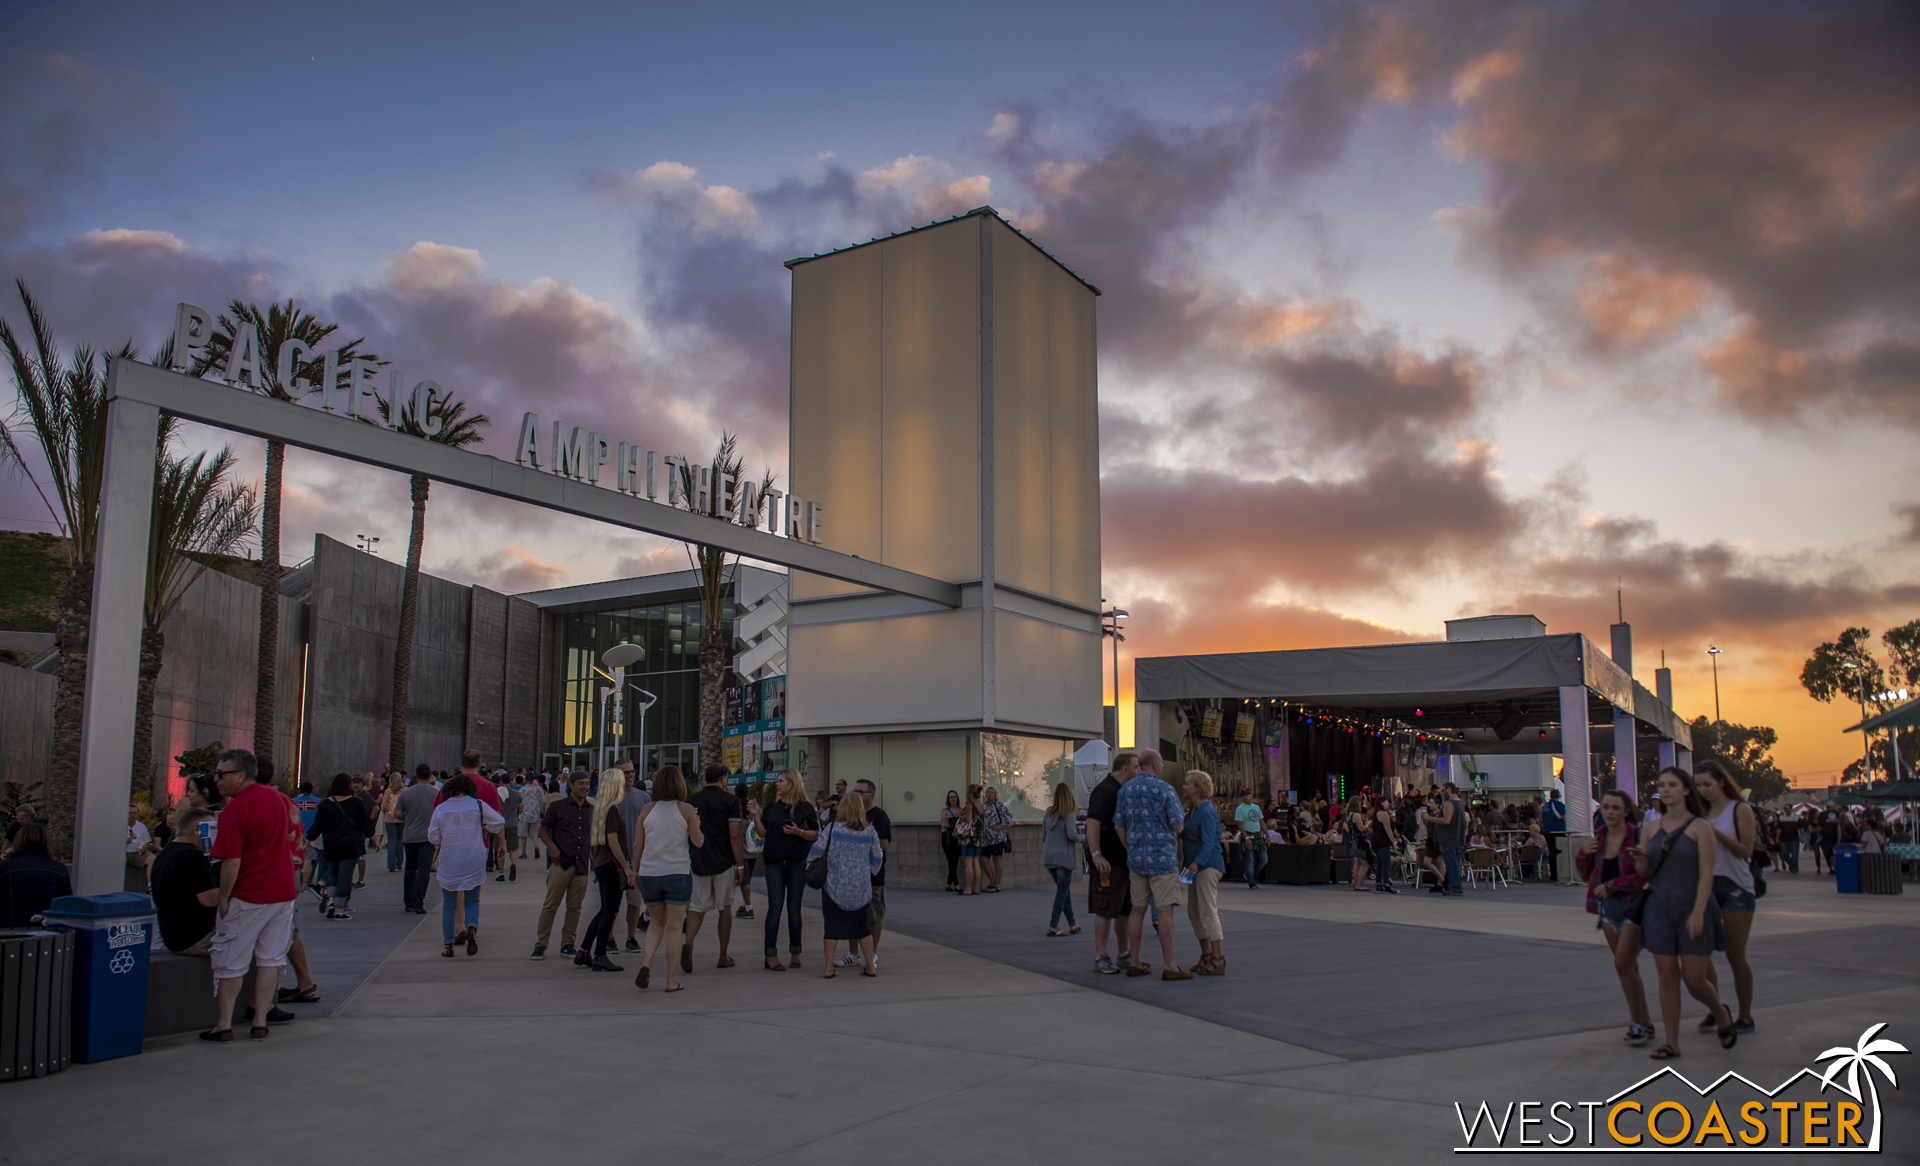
x=36 y=1003
x=1879 y=874
x=1846 y=867
x=112 y=937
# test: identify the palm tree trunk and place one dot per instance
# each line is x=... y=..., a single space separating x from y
x=713 y=675
x=153 y=647
x=69 y=702
x=267 y=674
x=403 y=639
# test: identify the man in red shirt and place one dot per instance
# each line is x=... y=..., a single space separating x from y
x=257 y=890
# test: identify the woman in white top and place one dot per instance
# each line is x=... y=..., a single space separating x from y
x=662 y=859
x=458 y=831
x=1734 y=829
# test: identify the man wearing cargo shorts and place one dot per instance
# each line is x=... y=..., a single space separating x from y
x=1149 y=818
x=257 y=889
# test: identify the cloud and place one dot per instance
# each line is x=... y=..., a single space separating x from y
x=1646 y=161
x=1683 y=592
x=1909 y=513
x=63 y=119
x=510 y=570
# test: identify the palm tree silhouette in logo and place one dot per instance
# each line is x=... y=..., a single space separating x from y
x=1865 y=1052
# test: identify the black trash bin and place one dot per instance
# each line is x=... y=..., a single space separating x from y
x=36 y=1003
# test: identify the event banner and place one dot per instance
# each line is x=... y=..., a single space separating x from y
x=754 y=741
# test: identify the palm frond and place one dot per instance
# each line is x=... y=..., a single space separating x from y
x=197 y=513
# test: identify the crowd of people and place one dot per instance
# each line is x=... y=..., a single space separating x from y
x=1677 y=876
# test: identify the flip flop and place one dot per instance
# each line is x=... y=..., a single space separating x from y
x=867 y=973
x=1663 y=1053
x=676 y=987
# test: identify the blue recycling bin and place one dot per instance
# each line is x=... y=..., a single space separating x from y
x=1846 y=867
x=112 y=941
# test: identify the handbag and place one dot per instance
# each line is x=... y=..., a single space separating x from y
x=817 y=868
x=1637 y=906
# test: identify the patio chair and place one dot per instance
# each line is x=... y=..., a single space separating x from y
x=1482 y=862
x=1530 y=854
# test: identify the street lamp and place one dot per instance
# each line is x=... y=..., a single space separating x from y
x=617 y=658
x=1110 y=626
x=1713 y=654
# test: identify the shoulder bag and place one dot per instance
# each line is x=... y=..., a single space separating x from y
x=817 y=869
x=1637 y=906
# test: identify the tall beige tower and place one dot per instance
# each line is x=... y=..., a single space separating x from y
x=945 y=414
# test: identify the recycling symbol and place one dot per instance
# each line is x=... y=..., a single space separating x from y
x=121 y=963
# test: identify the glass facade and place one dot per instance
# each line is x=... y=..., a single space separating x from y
x=670 y=632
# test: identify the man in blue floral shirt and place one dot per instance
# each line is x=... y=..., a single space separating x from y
x=1149 y=818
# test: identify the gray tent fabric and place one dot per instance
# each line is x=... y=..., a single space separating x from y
x=1381 y=675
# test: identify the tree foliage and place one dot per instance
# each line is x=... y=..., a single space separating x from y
x=1846 y=670
x=1746 y=751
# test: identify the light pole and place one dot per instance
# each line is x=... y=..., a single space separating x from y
x=1110 y=626
x=370 y=543
x=617 y=658
x=1713 y=654
x=1891 y=697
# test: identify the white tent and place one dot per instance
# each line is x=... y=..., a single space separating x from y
x=1091 y=762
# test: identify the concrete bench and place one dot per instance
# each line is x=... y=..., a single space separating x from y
x=180 y=995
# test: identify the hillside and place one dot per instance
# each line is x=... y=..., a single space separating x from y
x=33 y=569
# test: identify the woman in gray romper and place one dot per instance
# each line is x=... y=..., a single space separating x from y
x=1682 y=926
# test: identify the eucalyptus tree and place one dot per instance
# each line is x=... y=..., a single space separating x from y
x=64 y=406
x=721 y=496
x=199 y=511
x=274 y=328
x=448 y=423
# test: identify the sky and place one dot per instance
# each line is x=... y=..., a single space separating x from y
x=1412 y=311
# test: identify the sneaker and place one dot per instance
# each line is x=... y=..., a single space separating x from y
x=744 y=913
x=876 y=959
x=539 y=953
x=568 y=949
x=1436 y=890
x=632 y=944
x=1105 y=966
x=846 y=960
x=1387 y=889
x=1638 y=1034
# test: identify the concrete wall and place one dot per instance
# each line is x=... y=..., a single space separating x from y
x=206 y=686
x=914 y=859
x=354 y=612
x=26 y=724
x=503 y=678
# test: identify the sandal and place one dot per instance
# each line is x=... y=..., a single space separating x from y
x=774 y=965
x=473 y=942
x=1074 y=930
x=676 y=987
x=447 y=951
x=307 y=995
x=828 y=975
x=222 y=1036
x=726 y=961
x=640 y=981
x=1664 y=1053
x=257 y=1032
x=1729 y=1036
x=794 y=962
x=864 y=972
x=1055 y=931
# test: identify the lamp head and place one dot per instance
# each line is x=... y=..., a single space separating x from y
x=621 y=655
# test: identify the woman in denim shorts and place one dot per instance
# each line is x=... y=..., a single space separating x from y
x=1608 y=866
x=1735 y=829
x=663 y=839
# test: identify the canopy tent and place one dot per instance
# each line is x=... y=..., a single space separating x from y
x=1493 y=696
x=1526 y=693
x=1894 y=791
x=1904 y=716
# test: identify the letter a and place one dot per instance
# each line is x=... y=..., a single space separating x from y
x=527 y=452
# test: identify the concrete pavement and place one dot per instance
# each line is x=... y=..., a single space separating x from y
x=1347 y=1024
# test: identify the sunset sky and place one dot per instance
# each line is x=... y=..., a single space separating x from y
x=1412 y=311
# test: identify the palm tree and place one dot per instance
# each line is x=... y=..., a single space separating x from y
x=448 y=423
x=1866 y=1051
x=197 y=513
x=66 y=407
x=716 y=570
x=275 y=326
